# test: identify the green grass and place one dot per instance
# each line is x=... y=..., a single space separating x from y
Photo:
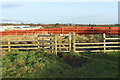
x=98 y=66
x=36 y=64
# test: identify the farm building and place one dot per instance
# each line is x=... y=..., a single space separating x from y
x=7 y=28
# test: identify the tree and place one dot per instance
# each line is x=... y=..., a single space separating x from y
x=57 y=25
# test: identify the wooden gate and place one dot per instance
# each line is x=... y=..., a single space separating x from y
x=55 y=43
x=64 y=42
x=47 y=43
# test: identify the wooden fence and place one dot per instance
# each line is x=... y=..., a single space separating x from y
x=60 y=43
x=78 y=30
x=100 y=45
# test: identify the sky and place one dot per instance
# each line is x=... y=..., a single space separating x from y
x=59 y=0
x=60 y=12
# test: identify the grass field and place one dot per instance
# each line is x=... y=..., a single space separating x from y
x=36 y=64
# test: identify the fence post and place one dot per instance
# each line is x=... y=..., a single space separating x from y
x=70 y=45
x=73 y=41
x=52 y=43
x=9 y=46
x=38 y=41
x=104 y=40
x=56 y=44
x=62 y=31
x=60 y=42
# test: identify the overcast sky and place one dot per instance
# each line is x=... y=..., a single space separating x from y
x=60 y=12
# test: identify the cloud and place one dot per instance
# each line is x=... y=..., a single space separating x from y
x=9 y=5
